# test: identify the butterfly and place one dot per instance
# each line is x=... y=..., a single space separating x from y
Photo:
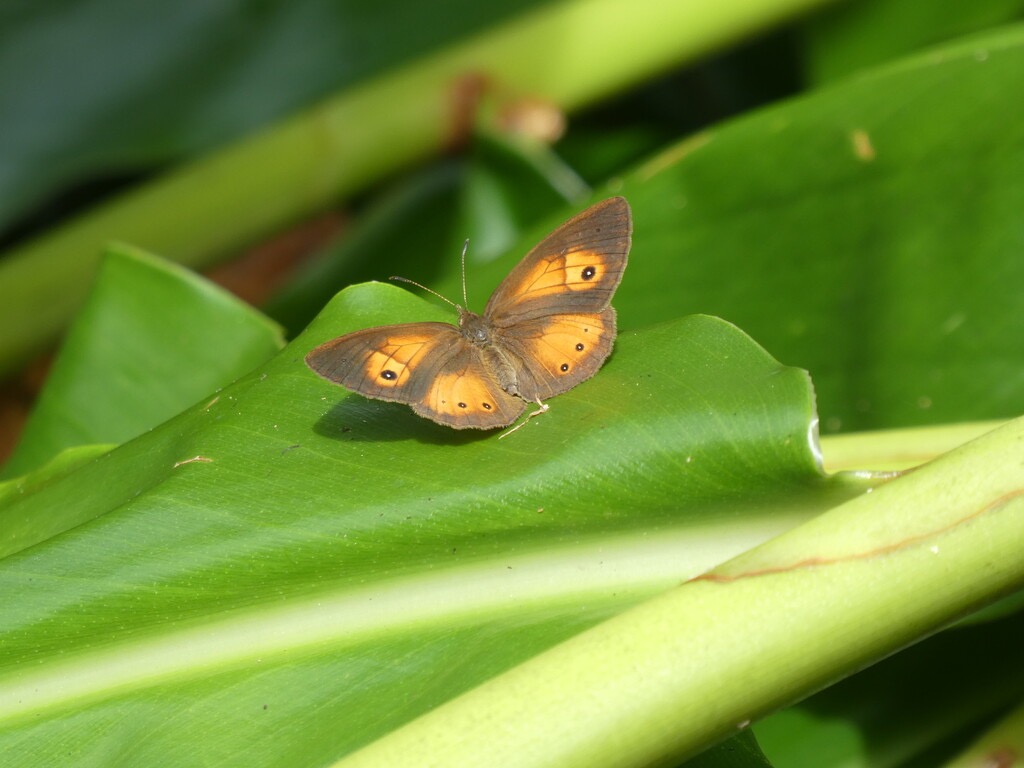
x=548 y=326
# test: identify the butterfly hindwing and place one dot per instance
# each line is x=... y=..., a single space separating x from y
x=466 y=393
x=556 y=353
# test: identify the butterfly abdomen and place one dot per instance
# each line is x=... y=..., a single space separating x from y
x=501 y=367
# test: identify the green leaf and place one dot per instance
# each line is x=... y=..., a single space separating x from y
x=849 y=37
x=152 y=339
x=351 y=551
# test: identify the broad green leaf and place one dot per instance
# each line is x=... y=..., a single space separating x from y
x=286 y=557
x=62 y=464
x=151 y=340
x=854 y=36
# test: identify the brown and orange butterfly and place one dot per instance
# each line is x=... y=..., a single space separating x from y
x=546 y=328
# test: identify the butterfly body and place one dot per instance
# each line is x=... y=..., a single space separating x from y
x=546 y=328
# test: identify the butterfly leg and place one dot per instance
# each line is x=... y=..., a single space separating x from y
x=542 y=408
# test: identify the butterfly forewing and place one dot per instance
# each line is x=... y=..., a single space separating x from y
x=392 y=362
x=555 y=354
x=575 y=269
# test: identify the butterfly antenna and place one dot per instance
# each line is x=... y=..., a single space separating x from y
x=423 y=287
x=465 y=247
x=445 y=299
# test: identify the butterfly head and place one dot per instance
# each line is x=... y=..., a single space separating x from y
x=473 y=326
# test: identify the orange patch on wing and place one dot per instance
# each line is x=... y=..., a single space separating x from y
x=567 y=341
x=574 y=271
x=459 y=393
x=389 y=366
x=583 y=269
